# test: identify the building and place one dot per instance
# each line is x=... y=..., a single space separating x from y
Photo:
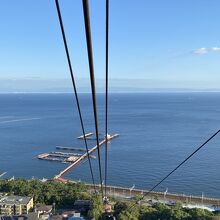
x=15 y=205
x=30 y=216
x=44 y=212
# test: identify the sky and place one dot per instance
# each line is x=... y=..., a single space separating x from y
x=153 y=45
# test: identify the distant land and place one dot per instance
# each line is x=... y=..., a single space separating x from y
x=40 y=85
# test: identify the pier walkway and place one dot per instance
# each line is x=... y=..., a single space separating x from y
x=86 y=136
x=2 y=174
x=84 y=156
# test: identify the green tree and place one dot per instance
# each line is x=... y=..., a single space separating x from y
x=97 y=209
x=199 y=214
x=63 y=194
x=123 y=210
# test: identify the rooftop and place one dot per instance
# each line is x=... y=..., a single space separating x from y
x=14 y=200
x=30 y=216
x=44 y=208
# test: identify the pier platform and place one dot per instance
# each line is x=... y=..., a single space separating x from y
x=71 y=149
x=85 y=155
x=86 y=135
x=59 y=157
x=2 y=174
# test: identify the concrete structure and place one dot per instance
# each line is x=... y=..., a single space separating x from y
x=15 y=205
x=84 y=156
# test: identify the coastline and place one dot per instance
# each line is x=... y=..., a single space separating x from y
x=127 y=193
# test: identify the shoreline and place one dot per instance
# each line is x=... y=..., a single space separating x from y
x=127 y=193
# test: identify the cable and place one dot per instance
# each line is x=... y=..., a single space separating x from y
x=92 y=79
x=74 y=86
x=106 y=95
x=194 y=152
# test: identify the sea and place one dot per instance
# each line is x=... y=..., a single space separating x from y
x=157 y=132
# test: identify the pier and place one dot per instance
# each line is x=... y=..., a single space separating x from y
x=109 y=137
x=70 y=149
x=2 y=174
x=86 y=135
x=58 y=156
x=65 y=153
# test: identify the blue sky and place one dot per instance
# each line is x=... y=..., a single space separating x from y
x=153 y=43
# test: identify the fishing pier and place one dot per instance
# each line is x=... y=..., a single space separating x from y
x=59 y=156
x=73 y=155
x=88 y=135
x=70 y=149
x=2 y=174
x=85 y=155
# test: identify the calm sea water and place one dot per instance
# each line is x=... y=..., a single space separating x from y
x=157 y=131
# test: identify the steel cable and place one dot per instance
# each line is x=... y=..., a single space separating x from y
x=178 y=166
x=74 y=87
x=92 y=80
x=106 y=95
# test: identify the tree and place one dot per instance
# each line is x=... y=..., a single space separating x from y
x=200 y=214
x=97 y=209
x=63 y=194
x=123 y=211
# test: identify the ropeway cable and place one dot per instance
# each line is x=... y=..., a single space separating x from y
x=92 y=80
x=106 y=95
x=74 y=87
x=184 y=161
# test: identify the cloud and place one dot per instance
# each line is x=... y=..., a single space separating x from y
x=216 y=49
x=205 y=50
x=200 y=51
